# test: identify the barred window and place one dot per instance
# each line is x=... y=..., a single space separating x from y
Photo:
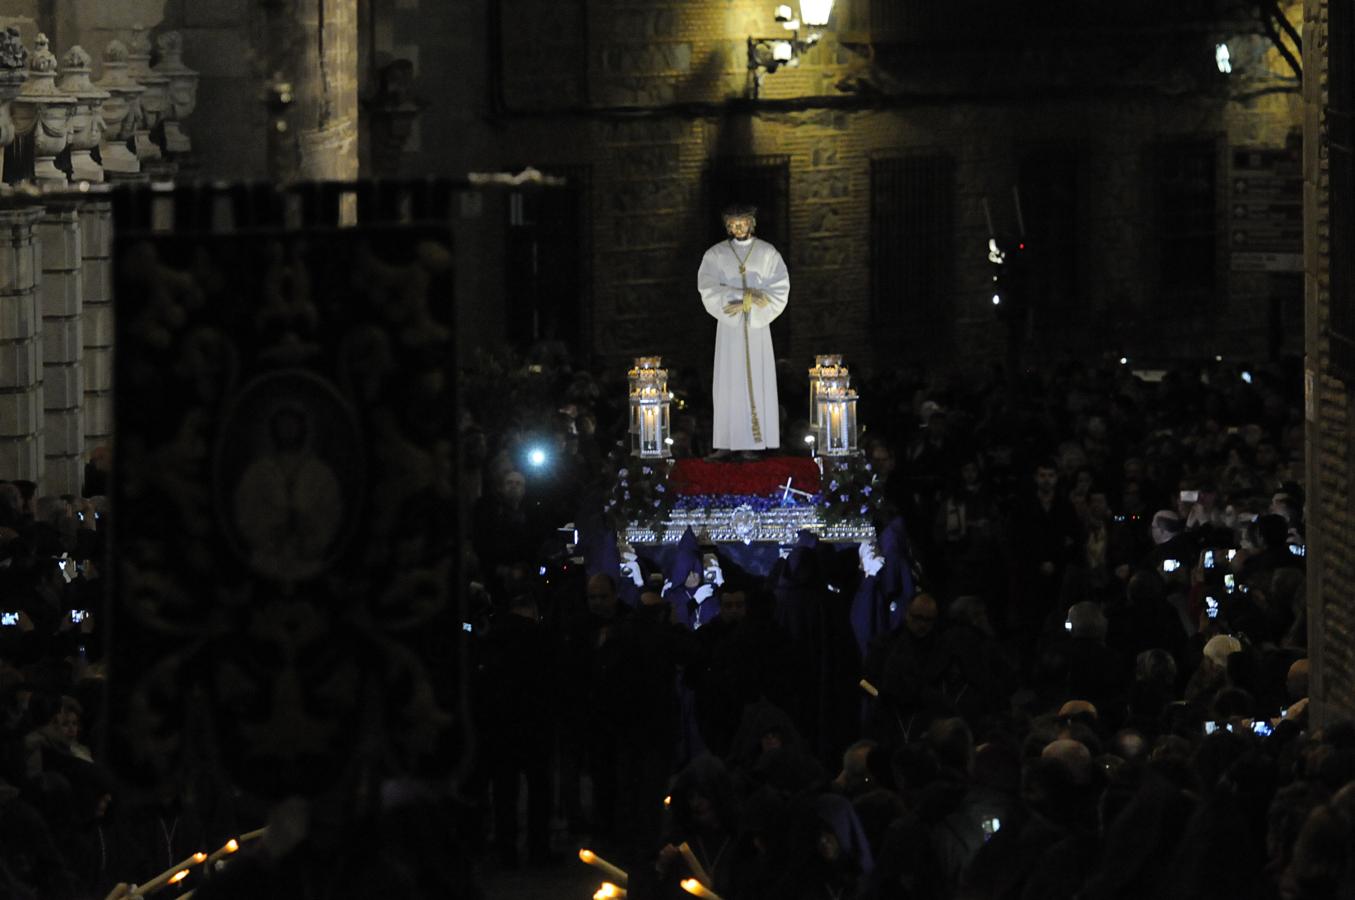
x=912 y=213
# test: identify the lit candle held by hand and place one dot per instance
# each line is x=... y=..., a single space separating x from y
x=616 y=874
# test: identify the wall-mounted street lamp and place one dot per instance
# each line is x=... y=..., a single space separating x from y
x=767 y=54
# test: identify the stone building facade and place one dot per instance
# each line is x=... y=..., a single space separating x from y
x=872 y=159
x=878 y=151
x=1329 y=52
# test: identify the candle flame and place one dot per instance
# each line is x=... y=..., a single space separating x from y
x=609 y=890
x=667 y=801
x=232 y=845
x=587 y=856
x=691 y=886
x=179 y=876
x=199 y=857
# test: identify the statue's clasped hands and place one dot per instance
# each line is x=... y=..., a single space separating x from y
x=751 y=297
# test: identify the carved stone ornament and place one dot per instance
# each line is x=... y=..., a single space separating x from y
x=156 y=98
x=13 y=63
x=120 y=112
x=44 y=111
x=86 y=124
x=182 y=88
x=13 y=53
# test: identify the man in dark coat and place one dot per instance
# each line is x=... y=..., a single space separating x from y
x=519 y=726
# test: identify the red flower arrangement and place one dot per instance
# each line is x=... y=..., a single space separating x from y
x=761 y=478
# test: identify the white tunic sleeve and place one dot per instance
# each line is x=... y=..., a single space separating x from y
x=713 y=281
x=773 y=279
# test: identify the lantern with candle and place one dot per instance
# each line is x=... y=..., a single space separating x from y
x=827 y=373
x=649 y=409
x=837 y=422
x=648 y=371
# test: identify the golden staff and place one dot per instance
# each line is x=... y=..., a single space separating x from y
x=615 y=873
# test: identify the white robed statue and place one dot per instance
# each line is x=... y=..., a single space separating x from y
x=744 y=285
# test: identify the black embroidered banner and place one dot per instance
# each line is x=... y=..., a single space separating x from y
x=285 y=604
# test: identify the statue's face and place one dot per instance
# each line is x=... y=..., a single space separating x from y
x=740 y=227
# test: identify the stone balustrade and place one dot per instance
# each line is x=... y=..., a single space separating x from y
x=56 y=243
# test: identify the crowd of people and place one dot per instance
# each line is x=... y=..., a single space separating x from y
x=1073 y=664
x=61 y=835
x=1082 y=669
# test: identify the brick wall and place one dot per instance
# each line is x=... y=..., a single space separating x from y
x=648 y=93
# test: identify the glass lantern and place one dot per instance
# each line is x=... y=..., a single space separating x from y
x=837 y=422
x=648 y=371
x=649 y=411
x=827 y=373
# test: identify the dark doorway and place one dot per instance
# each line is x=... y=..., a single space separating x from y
x=547 y=264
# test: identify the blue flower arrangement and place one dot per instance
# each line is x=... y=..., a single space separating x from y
x=852 y=489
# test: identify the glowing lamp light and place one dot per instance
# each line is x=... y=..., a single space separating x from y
x=997 y=300
x=650 y=409
x=827 y=373
x=837 y=422
x=1223 y=59
x=815 y=13
x=1124 y=360
x=536 y=457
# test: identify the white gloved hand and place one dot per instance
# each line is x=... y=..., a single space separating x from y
x=703 y=593
x=710 y=564
x=871 y=561
x=631 y=569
